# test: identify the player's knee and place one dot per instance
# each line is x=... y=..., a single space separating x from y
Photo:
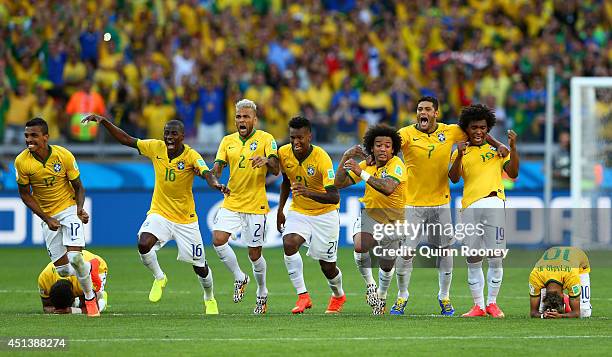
x=474 y=259
x=145 y=243
x=328 y=269
x=63 y=270
x=495 y=263
x=201 y=271
x=220 y=238
x=76 y=260
x=254 y=253
x=290 y=246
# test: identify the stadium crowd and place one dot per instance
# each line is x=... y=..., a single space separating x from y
x=343 y=64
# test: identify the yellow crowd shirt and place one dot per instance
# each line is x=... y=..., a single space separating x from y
x=482 y=173
x=316 y=172
x=380 y=207
x=49 y=276
x=426 y=157
x=247 y=184
x=562 y=265
x=172 y=195
x=49 y=178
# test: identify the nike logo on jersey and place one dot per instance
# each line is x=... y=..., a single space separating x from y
x=415 y=139
x=230 y=147
x=158 y=158
x=289 y=166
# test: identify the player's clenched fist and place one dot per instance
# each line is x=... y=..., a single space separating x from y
x=83 y=216
x=512 y=139
x=352 y=165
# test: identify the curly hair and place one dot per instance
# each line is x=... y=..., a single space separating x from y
x=381 y=130
x=299 y=122
x=476 y=112
x=61 y=294
x=553 y=301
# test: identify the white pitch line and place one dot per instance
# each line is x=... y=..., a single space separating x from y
x=281 y=339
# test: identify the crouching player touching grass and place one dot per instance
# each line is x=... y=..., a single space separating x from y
x=49 y=184
x=313 y=217
x=172 y=214
x=483 y=203
x=561 y=269
x=64 y=295
x=384 y=201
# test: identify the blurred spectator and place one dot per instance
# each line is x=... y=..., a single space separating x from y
x=81 y=103
x=375 y=105
x=89 y=41
x=562 y=162
x=45 y=108
x=259 y=91
x=19 y=105
x=211 y=104
x=124 y=113
x=186 y=106
x=155 y=115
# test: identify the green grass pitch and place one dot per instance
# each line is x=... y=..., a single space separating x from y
x=176 y=325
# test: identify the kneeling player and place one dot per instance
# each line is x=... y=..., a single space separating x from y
x=313 y=217
x=384 y=204
x=483 y=203
x=61 y=295
x=561 y=269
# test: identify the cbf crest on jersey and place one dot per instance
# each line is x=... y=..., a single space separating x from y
x=441 y=137
x=181 y=165
x=310 y=170
x=57 y=166
x=384 y=174
x=492 y=148
x=253 y=145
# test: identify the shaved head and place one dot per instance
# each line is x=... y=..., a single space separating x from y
x=176 y=124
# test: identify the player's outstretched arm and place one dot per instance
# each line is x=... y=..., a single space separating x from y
x=79 y=192
x=121 y=136
x=284 y=195
x=273 y=165
x=512 y=168
x=456 y=170
x=213 y=183
x=28 y=200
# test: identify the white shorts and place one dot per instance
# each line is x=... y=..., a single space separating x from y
x=70 y=234
x=488 y=218
x=252 y=227
x=366 y=224
x=429 y=224
x=187 y=236
x=320 y=233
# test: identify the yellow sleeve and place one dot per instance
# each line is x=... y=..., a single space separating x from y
x=326 y=167
x=198 y=163
x=23 y=178
x=535 y=285
x=398 y=171
x=403 y=133
x=505 y=161
x=351 y=174
x=72 y=169
x=222 y=152
x=42 y=287
x=145 y=147
x=271 y=149
x=572 y=285
x=457 y=133
x=453 y=156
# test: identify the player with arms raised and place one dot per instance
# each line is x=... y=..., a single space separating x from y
x=426 y=147
x=250 y=154
x=384 y=201
x=313 y=218
x=561 y=269
x=49 y=184
x=483 y=203
x=172 y=214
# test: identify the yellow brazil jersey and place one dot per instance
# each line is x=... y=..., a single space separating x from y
x=49 y=276
x=381 y=207
x=562 y=265
x=172 y=195
x=482 y=173
x=316 y=172
x=426 y=157
x=50 y=178
x=247 y=184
